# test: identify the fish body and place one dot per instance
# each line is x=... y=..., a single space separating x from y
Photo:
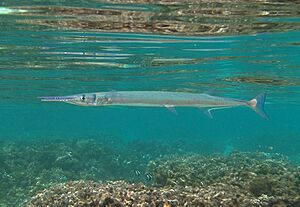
x=159 y=99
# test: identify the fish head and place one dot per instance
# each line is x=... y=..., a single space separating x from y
x=89 y=99
x=85 y=99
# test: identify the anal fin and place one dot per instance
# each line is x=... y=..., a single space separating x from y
x=208 y=113
x=172 y=109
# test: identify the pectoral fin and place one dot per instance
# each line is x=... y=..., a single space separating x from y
x=172 y=109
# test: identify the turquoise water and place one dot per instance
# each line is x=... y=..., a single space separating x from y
x=54 y=50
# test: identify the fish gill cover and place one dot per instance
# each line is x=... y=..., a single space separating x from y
x=53 y=154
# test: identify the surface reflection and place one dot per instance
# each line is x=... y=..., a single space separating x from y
x=173 y=17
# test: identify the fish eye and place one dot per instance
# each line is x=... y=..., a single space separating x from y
x=82 y=98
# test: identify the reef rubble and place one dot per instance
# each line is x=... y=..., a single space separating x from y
x=28 y=166
x=239 y=179
x=121 y=193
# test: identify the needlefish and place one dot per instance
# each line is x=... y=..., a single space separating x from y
x=170 y=100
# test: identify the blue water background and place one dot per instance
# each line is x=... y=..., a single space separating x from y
x=41 y=61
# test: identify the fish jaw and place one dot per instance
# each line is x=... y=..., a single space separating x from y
x=88 y=99
x=58 y=98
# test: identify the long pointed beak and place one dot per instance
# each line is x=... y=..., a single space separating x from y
x=57 y=98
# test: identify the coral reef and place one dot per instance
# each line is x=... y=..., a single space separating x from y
x=120 y=193
x=82 y=172
x=254 y=175
x=240 y=179
x=27 y=166
x=117 y=193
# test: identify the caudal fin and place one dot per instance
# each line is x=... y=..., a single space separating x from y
x=258 y=104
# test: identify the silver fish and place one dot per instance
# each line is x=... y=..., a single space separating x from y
x=162 y=99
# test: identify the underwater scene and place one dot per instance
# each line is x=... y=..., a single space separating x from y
x=150 y=103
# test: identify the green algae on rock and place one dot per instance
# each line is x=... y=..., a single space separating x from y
x=262 y=185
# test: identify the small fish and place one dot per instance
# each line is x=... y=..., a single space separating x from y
x=170 y=100
x=149 y=176
x=137 y=172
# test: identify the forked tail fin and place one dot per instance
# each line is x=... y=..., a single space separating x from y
x=258 y=104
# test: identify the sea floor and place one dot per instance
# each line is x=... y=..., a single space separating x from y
x=99 y=173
